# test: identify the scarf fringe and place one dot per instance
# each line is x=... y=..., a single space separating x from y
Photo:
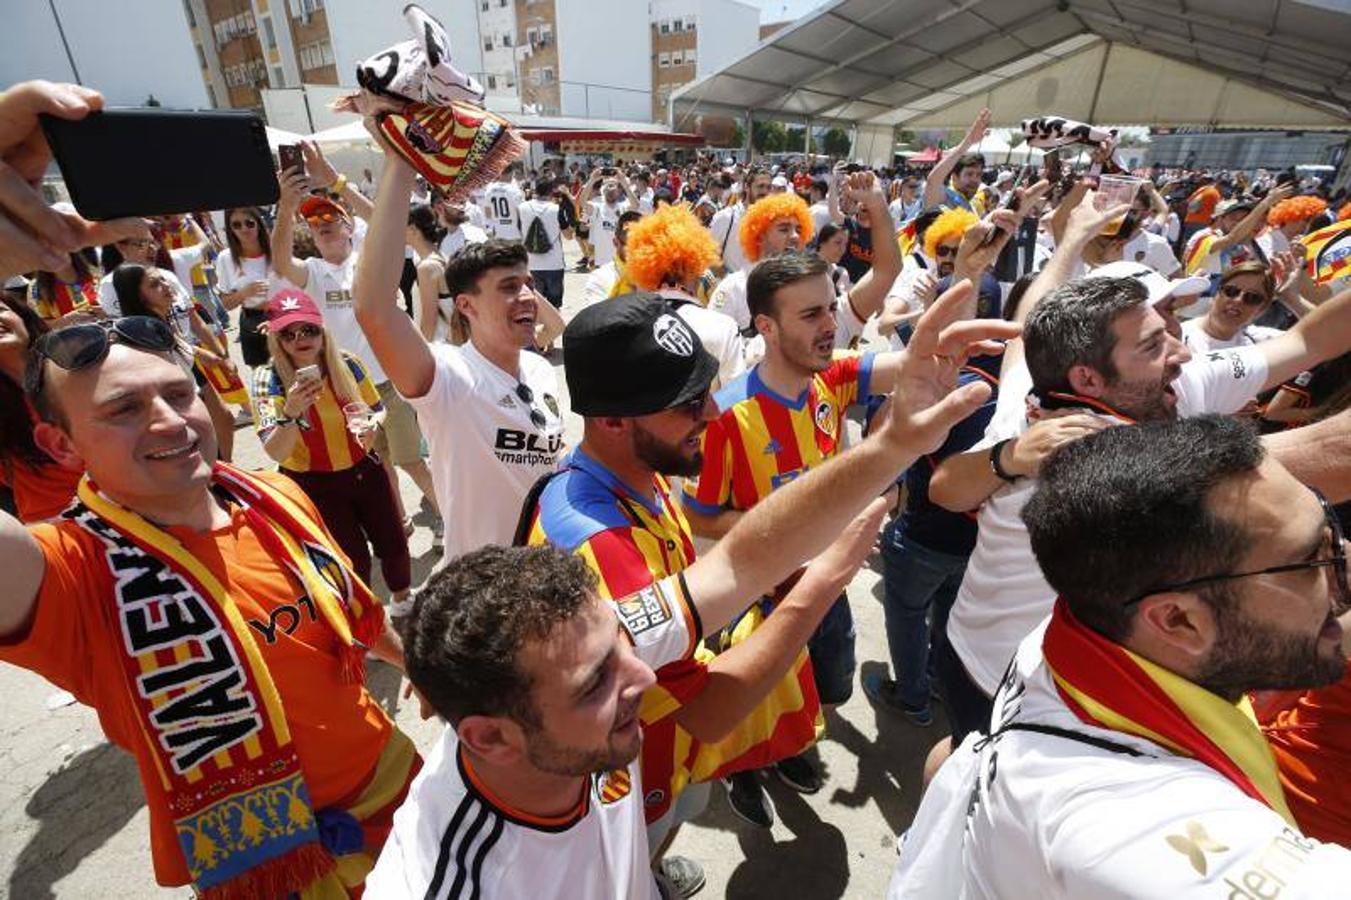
x=504 y=151
x=282 y=876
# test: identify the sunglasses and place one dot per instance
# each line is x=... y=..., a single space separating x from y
x=1337 y=562
x=324 y=218
x=1250 y=298
x=527 y=396
x=945 y=250
x=243 y=224
x=290 y=335
x=81 y=346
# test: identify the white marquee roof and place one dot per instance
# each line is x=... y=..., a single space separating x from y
x=935 y=63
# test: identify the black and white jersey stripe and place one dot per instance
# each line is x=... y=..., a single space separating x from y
x=468 y=839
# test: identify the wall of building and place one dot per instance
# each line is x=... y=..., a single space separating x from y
x=728 y=30
x=604 y=59
x=103 y=38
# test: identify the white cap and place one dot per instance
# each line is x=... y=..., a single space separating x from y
x=1003 y=176
x=779 y=181
x=1158 y=286
x=16 y=283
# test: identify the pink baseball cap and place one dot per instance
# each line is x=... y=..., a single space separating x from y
x=289 y=306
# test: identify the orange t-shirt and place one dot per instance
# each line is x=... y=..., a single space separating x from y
x=1312 y=743
x=1201 y=205
x=74 y=641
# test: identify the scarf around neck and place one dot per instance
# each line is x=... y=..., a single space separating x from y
x=208 y=711
x=1108 y=686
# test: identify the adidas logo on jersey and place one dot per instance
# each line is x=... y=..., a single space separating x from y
x=506 y=402
x=772 y=447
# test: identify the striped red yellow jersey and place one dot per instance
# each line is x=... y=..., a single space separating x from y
x=762 y=440
x=327 y=445
x=66 y=297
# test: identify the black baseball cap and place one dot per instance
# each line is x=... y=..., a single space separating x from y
x=633 y=355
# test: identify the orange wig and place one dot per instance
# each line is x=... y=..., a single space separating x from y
x=668 y=246
x=1295 y=209
x=950 y=225
x=764 y=213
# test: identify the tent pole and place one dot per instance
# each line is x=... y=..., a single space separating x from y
x=1097 y=86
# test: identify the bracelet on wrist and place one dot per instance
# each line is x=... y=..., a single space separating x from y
x=997 y=466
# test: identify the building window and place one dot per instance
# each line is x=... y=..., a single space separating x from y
x=488 y=44
x=506 y=40
x=313 y=56
x=201 y=55
x=484 y=6
x=689 y=57
x=547 y=74
x=664 y=60
x=511 y=82
x=308 y=7
x=665 y=27
x=676 y=26
x=269 y=36
x=546 y=34
x=187 y=8
x=677 y=58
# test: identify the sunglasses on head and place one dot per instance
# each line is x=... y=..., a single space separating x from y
x=81 y=346
x=1250 y=298
x=527 y=396
x=288 y=335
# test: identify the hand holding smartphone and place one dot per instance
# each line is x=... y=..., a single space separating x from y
x=291 y=158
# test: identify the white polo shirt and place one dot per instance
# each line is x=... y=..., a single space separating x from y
x=1003 y=594
x=1050 y=816
x=453 y=839
x=603 y=220
x=484 y=450
x=725 y=225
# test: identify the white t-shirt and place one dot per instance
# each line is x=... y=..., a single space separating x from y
x=331 y=288
x=717 y=332
x=113 y=307
x=1196 y=337
x=232 y=276
x=604 y=222
x=1031 y=814
x=453 y=839
x=820 y=216
x=546 y=212
x=185 y=259
x=725 y=225
x=485 y=453
x=502 y=207
x=646 y=200
x=455 y=241
x=600 y=282
x=1003 y=594
x=729 y=298
x=1152 y=250
x=903 y=288
x=474 y=210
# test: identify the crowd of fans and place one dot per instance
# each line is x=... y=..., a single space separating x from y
x=1109 y=443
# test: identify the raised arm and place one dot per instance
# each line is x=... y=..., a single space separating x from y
x=1318 y=455
x=1249 y=225
x=935 y=186
x=24 y=568
x=323 y=175
x=741 y=677
x=797 y=521
x=867 y=296
x=837 y=174
x=293 y=187
x=549 y=322
x=1319 y=336
x=398 y=345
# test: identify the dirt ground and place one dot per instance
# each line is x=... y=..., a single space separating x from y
x=73 y=823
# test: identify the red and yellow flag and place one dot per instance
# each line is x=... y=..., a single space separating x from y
x=1329 y=252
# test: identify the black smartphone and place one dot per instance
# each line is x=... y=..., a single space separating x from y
x=153 y=161
x=290 y=156
x=1051 y=164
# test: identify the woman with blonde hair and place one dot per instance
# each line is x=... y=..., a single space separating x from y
x=670 y=252
x=317 y=412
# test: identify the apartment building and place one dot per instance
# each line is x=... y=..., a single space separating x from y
x=694 y=38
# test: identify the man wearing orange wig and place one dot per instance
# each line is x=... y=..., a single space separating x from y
x=1288 y=220
x=783 y=222
x=669 y=252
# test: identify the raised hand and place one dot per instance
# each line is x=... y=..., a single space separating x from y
x=976 y=133
x=1086 y=223
x=33 y=236
x=926 y=402
x=321 y=171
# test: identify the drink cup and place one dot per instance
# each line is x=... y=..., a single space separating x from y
x=1114 y=190
x=360 y=419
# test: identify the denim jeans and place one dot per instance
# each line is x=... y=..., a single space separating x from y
x=831 y=648
x=914 y=578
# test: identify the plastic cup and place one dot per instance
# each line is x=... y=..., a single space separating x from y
x=360 y=419
x=1114 y=190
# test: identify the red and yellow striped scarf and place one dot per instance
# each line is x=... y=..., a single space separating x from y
x=210 y=715
x=1108 y=686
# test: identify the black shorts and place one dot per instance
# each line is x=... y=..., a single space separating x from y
x=549 y=282
x=252 y=341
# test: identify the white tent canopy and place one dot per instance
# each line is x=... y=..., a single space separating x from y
x=935 y=63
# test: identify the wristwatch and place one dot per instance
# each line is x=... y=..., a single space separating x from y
x=302 y=424
x=997 y=467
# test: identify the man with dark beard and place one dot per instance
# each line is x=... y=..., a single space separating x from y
x=639 y=376
x=1191 y=569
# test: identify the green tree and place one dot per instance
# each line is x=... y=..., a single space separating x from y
x=835 y=142
x=738 y=135
x=768 y=137
x=795 y=137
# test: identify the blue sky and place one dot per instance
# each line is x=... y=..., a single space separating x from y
x=779 y=10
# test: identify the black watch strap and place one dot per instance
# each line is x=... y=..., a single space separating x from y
x=996 y=466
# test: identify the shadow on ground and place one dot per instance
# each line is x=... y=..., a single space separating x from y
x=101 y=790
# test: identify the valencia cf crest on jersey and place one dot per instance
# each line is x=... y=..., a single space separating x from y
x=332 y=571
x=824 y=414
x=614 y=785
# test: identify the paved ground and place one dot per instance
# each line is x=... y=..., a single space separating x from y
x=73 y=824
